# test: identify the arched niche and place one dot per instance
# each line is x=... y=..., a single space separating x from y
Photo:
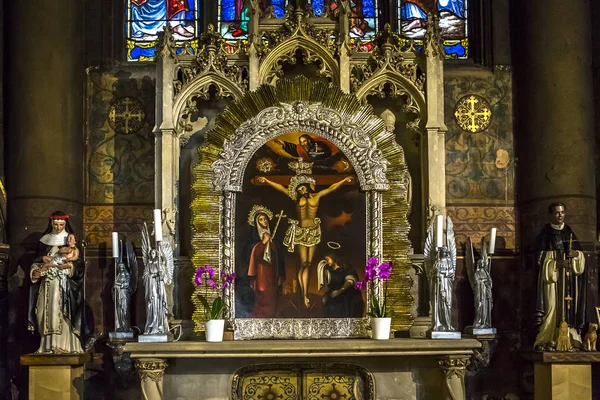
x=301 y=106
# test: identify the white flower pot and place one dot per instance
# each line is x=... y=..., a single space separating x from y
x=214 y=330
x=381 y=328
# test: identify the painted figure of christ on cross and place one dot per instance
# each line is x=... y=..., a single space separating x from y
x=304 y=234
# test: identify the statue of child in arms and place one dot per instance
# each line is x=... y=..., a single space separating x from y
x=64 y=255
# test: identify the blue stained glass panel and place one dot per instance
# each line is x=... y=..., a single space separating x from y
x=363 y=16
x=452 y=22
x=279 y=6
x=145 y=19
x=234 y=16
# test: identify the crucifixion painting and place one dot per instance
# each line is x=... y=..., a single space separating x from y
x=300 y=200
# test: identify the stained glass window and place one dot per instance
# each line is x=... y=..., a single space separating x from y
x=452 y=20
x=363 y=16
x=234 y=16
x=147 y=18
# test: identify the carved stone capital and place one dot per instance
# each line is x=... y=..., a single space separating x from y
x=454 y=368
x=151 y=371
x=151 y=368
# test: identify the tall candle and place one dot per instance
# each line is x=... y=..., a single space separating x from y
x=157 y=225
x=439 y=230
x=492 y=247
x=115 y=245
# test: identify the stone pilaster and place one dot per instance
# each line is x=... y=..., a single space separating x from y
x=44 y=108
x=43 y=115
x=151 y=371
x=454 y=368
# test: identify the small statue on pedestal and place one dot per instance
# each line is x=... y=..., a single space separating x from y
x=125 y=286
x=481 y=283
x=440 y=266
x=158 y=272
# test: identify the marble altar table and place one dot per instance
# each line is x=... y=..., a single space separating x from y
x=402 y=368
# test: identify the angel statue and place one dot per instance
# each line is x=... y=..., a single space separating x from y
x=481 y=282
x=440 y=267
x=125 y=287
x=158 y=272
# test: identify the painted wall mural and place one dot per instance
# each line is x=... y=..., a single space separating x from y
x=119 y=153
x=480 y=166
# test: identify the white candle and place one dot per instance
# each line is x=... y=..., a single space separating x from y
x=115 y=245
x=439 y=231
x=492 y=247
x=157 y=225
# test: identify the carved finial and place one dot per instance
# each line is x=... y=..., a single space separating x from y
x=211 y=28
x=165 y=45
x=269 y=13
x=434 y=45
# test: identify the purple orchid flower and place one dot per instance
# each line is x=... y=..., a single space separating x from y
x=385 y=270
x=199 y=272
x=370 y=273
x=359 y=285
x=211 y=272
x=227 y=279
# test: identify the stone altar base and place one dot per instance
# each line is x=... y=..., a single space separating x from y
x=400 y=368
x=56 y=376
x=563 y=375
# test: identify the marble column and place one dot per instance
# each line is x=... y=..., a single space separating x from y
x=44 y=116
x=555 y=112
x=152 y=371
x=43 y=98
x=555 y=137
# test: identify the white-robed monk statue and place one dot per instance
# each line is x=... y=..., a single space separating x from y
x=55 y=304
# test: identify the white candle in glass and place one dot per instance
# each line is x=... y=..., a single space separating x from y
x=492 y=246
x=157 y=225
x=439 y=231
x=115 y=245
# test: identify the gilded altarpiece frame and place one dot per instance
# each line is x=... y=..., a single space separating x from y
x=299 y=105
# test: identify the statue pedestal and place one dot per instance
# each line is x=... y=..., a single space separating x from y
x=480 y=332
x=167 y=337
x=443 y=335
x=563 y=375
x=56 y=376
x=119 y=336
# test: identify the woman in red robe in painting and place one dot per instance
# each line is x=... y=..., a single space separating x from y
x=266 y=268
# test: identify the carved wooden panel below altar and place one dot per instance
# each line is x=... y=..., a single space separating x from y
x=394 y=369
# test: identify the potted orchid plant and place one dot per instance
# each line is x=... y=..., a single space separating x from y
x=380 y=312
x=213 y=313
